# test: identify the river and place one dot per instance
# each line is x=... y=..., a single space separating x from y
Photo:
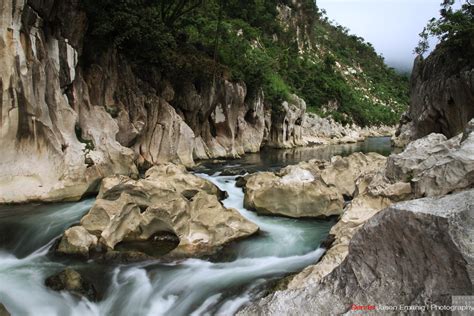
x=217 y=286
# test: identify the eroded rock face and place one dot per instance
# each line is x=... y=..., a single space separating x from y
x=164 y=123
x=42 y=158
x=413 y=253
x=435 y=165
x=286 y=124
x=326 y=131
x=66 y=124
x=309 y=189
x=224 y=122
x=168 y=200
x=442 y=95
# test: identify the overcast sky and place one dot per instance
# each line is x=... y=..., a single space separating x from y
x=392 y=26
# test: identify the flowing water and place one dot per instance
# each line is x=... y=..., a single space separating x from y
x=218 y=286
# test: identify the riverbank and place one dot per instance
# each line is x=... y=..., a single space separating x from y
x=420 y=202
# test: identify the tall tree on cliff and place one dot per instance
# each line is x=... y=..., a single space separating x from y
x=454 y=29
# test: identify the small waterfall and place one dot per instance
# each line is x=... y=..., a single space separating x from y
x=191 y=286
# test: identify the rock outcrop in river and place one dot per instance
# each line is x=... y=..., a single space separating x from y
x=413 y=254
x=309 y=189
x=71 y=281
x=168 y=200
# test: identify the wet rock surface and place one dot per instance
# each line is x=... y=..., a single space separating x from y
x=71 y=281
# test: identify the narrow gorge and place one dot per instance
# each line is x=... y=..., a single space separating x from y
x=228 y=158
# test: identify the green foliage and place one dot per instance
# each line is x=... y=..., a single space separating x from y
x=243 y=40
x=320 y=82
x=454 y=29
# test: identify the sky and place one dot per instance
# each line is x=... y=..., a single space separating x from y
x=392 y=26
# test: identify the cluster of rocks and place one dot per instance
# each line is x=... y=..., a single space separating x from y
x=326 y=131
x=414 y=253
x=411 y=253
x=66 y=125
x=168 y=201
x=309 y=189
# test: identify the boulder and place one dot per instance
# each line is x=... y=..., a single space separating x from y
x=295 y=194
x=415 y=253
x=309 y=189
x=435 y=165
x=71 y=281
x=343 y=172
x=77 y=240
x=168 y=201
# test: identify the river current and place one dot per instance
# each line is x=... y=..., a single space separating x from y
x=216 y=286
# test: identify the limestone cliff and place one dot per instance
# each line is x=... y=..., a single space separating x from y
x=442 y=95
x=42 y=158
x=67 y=122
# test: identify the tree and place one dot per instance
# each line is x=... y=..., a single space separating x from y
x=455 y=28
x=171 y=11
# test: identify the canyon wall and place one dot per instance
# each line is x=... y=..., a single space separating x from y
x=42 y=157
x=442 y=95
x=67 y=122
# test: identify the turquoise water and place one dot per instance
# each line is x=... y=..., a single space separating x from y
x=218 y=286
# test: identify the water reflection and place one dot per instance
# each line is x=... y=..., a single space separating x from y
x=271 y=159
